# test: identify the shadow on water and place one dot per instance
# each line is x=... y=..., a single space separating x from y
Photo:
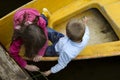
x=92 y=69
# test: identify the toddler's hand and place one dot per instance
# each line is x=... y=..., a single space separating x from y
x=31 y=68
x=37 y=58
x=46 y=73
x=85 y=19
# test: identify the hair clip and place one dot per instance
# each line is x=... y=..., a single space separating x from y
x=27 y=23
x=17 y=27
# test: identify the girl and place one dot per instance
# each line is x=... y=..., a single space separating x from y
x=29 y=30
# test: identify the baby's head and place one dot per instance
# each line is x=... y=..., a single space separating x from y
x=75 y=30
x=32 y=36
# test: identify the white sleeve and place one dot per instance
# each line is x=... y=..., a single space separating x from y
x=63 y=60
x=59 y=45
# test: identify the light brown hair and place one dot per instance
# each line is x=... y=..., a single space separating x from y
x=75 y=30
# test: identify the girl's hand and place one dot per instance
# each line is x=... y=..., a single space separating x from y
x=46 y=73
x=32 y=68
x=37 y=58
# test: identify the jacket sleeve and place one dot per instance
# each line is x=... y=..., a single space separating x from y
x=14 y=52
x=45 y=18
x=63 y=60
x=42 y=21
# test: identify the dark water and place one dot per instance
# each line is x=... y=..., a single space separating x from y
x=92 y=69
x=6 y=6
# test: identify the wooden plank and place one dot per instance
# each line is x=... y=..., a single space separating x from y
x=9 y=70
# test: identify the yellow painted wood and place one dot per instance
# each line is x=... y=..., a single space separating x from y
x=65 y=9
x=101 y=50
x=114 y=14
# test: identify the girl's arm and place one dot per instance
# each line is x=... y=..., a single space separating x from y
x=14 y=52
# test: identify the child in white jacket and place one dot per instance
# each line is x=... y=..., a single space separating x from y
x=67 y=47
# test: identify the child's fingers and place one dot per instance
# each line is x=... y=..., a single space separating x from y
x=36 y=68
x=37 y=58
x=32 y=68
x=85 y=19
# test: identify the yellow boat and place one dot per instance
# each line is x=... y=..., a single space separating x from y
x=104 y=24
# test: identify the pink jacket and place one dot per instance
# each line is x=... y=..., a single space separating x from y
x=16 y=44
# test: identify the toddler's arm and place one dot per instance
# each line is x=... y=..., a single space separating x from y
x=63 y=60
x=85 y=20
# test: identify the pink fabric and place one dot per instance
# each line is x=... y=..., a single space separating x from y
x=16 y=44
